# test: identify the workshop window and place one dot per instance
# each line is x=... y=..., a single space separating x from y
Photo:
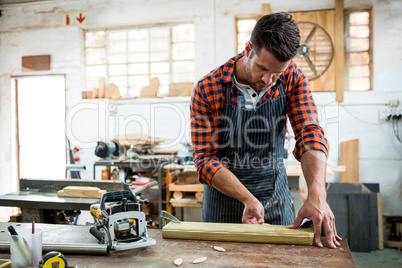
x=358 y=46
x=358 y=50
x=244 y=27
x=130 y=58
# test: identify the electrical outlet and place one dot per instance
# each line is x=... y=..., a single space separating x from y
x=388 y=114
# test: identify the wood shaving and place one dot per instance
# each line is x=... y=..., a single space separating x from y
x=199 y=260
x=219 y=249
x=178 y=262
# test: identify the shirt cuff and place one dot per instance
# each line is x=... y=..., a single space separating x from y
x=207 y=168
x=311 y=142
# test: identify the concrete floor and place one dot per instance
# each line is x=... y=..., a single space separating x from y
x=387 y=258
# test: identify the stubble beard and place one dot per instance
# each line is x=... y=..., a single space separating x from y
x=249 y=77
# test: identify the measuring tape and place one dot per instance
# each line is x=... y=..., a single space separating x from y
x=53 y=259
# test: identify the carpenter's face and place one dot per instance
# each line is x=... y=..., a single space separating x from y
x=264 y=69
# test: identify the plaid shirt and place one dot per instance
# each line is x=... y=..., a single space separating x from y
x=207 y=102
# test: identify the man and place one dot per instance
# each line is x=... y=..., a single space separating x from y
x=238 y=120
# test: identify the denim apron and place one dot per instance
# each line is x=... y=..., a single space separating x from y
x=251 y=143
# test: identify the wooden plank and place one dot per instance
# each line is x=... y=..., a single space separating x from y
x=392 y=244
x=5 y=263
x=380 y=223
x=186 y=187
x=373 y=220
x=151 y=90
x=35 y=63
x=346 y=188
x=81 y=191
x=350 y=159
x=266 y=9
x=112 y=92
x=102 y=88
x=180 y=89
x=257 y=233
x=339 y=50
x=186 y=203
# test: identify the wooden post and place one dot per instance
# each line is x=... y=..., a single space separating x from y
x=380 y=223
x=339 y=50
x=168 y=182
x=266 y=9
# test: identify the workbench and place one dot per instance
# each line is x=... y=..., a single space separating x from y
x=38 y=198
x=167 y=250
x=294 y=172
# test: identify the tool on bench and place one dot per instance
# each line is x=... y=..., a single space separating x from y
x=167 y=216
x=121 y=223
x=53 y=259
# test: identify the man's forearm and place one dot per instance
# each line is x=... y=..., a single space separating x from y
x=316 y=208
x=226 y=182
x=314 y=165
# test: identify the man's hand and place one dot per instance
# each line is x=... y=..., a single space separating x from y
x=320 y=213
x=253 y=211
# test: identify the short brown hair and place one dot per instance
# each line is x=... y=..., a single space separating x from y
x=278 y=34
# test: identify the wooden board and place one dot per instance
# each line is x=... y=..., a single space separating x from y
x=266 y=9
x=257 y=233
x=180 y=89
x=186 y=203
x=102 y=88
x=35 y=63
x=350 y=159
x=112 y=92
x=167 y=250
x=5 y=263
x=339 y=50
x=380 y=223
x=151 y=90
x=81 y=191
x=198 y=187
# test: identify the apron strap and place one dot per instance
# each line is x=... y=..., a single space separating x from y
x=281 y=89
x=228 y=93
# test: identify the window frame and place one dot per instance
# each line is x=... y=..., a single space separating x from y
x=243 y=17
x=149 y=74
x=347 y=12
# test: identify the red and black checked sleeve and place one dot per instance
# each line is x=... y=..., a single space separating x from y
x=303 y=116
x=204 y=131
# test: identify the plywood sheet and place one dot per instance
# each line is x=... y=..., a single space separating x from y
x=350 y=159
x=258 y=233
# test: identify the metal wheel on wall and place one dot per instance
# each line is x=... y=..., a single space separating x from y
x=316 y=50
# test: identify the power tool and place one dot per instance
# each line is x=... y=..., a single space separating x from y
x=121 y=223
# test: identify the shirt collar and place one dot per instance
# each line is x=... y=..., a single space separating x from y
x=228 y=68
